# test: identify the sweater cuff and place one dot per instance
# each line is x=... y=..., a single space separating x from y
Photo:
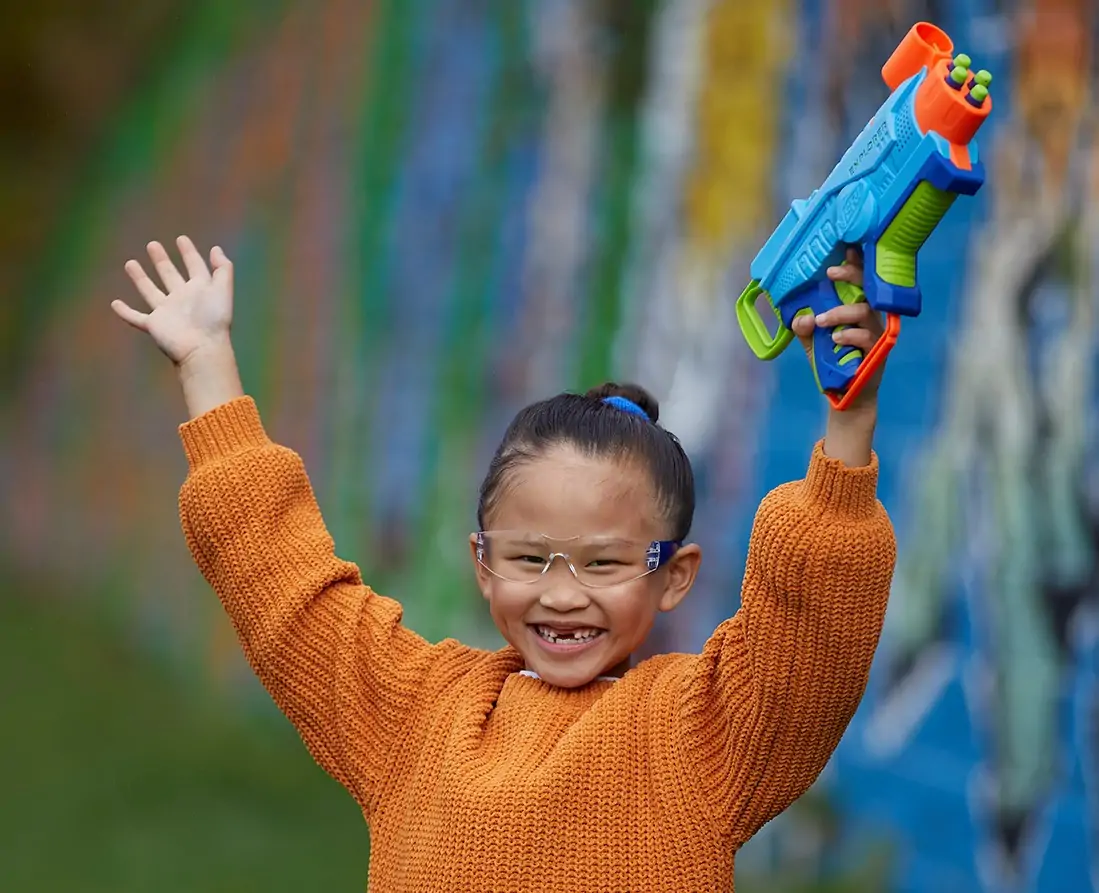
x=836 y=487
x=230 y=428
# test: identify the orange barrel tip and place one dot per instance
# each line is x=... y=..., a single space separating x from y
x=953 y=101
x=923 y=45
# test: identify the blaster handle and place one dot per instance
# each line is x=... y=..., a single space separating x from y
x=869 y=365
x=835 y=366
x=841 y=371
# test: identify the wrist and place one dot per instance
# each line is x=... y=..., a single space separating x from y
x=849 y=436
x=209 y=376
x=860 y=416
x=218 y=351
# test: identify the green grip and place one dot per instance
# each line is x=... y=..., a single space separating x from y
x=848 y=293
x=895 y=253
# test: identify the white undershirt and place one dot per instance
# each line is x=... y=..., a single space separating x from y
x=534 y=675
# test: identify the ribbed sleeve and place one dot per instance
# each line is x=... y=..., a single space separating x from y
x=332 y=653
x=767 y=701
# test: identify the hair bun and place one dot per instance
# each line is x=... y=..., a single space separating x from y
x=632 y=392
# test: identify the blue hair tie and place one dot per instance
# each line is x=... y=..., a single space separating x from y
x=627 y=405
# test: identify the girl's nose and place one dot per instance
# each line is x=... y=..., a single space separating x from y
x=564 y=595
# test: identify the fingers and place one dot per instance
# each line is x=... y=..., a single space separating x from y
x=856 y=325
x=860 y=315
x=854 y=257
x=138 y=320
x=169 y=274
x=145 y=286
x=850 y=336
x=167 y=271
x=803 y=325
x=192 y=260
x=848 y=272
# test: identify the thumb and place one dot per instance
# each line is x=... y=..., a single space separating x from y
x=803 y=326
x=135 y=318
x=223 y=267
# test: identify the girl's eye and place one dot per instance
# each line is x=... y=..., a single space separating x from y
x=604 y=562
x=531 y=559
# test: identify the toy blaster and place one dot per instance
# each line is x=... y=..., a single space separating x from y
x=887 y=194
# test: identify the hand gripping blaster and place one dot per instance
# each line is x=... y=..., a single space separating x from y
x=886 y=195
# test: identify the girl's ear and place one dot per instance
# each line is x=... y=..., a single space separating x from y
x=483 y=576
x=682 y=571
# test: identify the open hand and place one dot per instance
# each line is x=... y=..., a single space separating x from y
x=862 y=326
x=188 y=314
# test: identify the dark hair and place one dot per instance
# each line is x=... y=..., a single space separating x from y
x=596 y=428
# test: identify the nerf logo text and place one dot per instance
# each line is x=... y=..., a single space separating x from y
x=852 y=200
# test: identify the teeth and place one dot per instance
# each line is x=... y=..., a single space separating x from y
x=572 y=636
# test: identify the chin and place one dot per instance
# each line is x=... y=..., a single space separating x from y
x=562 y=674
x=565 y=678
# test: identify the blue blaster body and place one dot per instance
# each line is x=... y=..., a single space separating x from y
x=887 y=193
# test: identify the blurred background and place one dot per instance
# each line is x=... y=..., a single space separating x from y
x=440 y=210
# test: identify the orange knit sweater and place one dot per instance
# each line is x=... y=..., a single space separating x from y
x=475 y=777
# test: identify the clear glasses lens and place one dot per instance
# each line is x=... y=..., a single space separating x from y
x=598 y=562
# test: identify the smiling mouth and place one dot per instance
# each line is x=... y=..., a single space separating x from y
x=556 y=636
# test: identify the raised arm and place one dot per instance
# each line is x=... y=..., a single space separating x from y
x=776 y=686
x=768 y=700
x=332 y=653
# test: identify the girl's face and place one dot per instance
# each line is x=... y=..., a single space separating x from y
x=567 y=632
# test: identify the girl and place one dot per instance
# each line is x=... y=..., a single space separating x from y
x=552 y=764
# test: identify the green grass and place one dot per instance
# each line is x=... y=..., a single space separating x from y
x=114 y=780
